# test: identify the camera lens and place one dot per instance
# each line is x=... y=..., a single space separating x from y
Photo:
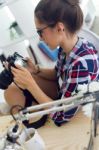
x=6 y=79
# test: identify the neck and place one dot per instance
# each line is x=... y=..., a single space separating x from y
x=68 y=44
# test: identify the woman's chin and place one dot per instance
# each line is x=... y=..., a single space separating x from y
x=51 y=47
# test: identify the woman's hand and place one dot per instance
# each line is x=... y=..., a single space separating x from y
x=22 y=77
x=30 y=66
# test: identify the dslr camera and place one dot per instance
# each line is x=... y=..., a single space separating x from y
x=6 y=77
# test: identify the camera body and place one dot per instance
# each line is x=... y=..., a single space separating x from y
x=6 y=77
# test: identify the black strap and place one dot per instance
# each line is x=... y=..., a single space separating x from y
x=41 y=122
x=28 y=102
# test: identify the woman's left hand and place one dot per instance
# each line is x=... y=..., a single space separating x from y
x=22 y=77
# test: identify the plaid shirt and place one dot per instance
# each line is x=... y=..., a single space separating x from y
x=81 y=66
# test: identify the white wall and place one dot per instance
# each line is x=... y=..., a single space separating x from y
x=23 y=10
x=96 y=3
x=6 y=18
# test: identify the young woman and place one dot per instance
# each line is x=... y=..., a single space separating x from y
x=57 y=23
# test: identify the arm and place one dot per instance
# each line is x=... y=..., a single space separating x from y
x=49 y=74
x=24 y=79
x=36 y=91
x=77 y=74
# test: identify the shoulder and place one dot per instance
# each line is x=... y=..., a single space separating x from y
x=86 y=48
x=83 y=52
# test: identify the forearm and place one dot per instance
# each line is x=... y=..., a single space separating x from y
x=38 y=94
x=49 y=74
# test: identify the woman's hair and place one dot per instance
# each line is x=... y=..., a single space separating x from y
x=50 y=12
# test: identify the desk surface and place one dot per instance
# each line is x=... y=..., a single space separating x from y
x=74 y=135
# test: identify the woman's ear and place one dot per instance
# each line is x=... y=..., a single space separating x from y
x=60 y=27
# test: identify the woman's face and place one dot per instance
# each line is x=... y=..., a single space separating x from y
x=50 y=35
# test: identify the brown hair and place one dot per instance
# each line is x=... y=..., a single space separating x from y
x=66 y=11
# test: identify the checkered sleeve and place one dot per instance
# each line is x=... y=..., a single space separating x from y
x=77 y=74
